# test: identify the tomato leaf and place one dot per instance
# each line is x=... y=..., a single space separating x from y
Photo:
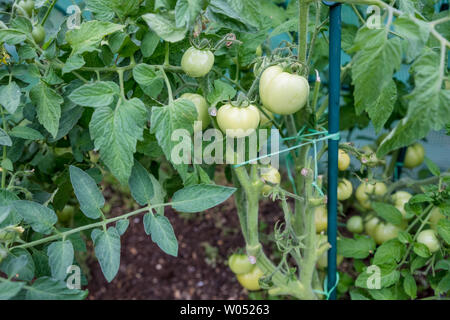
x=428 y=107
x=164 y=26
x=72 y=63
x=60 y=257
x=48 y=104
x=26 y=133
x=388 y=212
x=421 y=250
x=89 y=196
x=434 y=169
x=88 y=36
x=389 y=252
x=40 y=218
x=162 y=233
x=141 y=185
x=10 y=97
x=107 y=251
x=186 y=11
x=5 y=140
x=8 y=289
x=222 y=92
x=18 y=262
x=97 y=94
x=409 y=285
x=386 y=274
x=359 y=248
x=443 y=228
x=46 y=288
x=200 y=197
x=115 y=134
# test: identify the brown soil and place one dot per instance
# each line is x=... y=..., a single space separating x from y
x=199 y=272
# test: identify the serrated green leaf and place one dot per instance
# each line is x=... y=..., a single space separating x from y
x=389 y=252
x=421 y=250
x=358 y=248
x=12 y=36
x=26 y=133
x=122 y=226
x=222 y=92
x=162 y=233
x=46 y=288
x=60 y=257
x=434 y=169
x=149 y=43
x=186 y=11
x=107 y=251
x=141 y=185
x=97 y=94
x=409 y=285
x=164 y=26
x=88 y=36
x=200 y=197
x=388 y=212
x=9 y=289
x=89 y=196
x=115 y=134
x=388 y=276
x=40 y=218
x=416 y=32
x=48 y=103
x=5 y=140
x=10 y=96
x=18 y=263
x=72 y=63
x=443 y=228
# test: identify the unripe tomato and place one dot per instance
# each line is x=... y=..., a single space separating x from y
x=38 y=34
x=322 y=261
x=435 y=216
x=345 y=190
x=250 y=280
x=321 y=218
x=415 y=155
x=343 y=160
x=202 y=110
x=239 y=263
x=65 y=214
x=263 y=119
x=27 y=5
x=365 y=189
x=238 y=122
x=196 y=62
x=400 y=199
x=355 y=224
x=272 y=175
x=428 y=238
x=370 y=225
x=385 y=232
x=258 y=51
x=282 y=92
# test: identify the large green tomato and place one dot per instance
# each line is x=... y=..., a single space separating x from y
x=355 y=224
x=202 y=110
x=345 y=189
x=428 y=238
x=65 y=214
x=371 y=224
x=415 y=155
x=385 y=232
x=250 y=280
x=343 y=160
x=197 y=63
x=282 y=92
x=27 y=5
x=239 y=263
x=435 y=216
x=272 y=175
x=38 y=34
x=366 y=189
x=238 y=122
x=400 y=199
x=320 y=218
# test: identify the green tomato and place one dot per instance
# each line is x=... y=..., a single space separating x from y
x=435 y=216
x=272 y=175
x=345 y=190
x=343 y=160
x=385 y=232
x=27 y=5
x=65 y=214
x=250 y=280
x=259 y=51
x=415 y=155
x=429 y=238
x=282 y=92
x=38 y=34
x=197 y=63
x=238 y=122
x=400 y=199
x=239 y=263
x=322 y=261
x=355 y=224
x=320 y=218
x=371 y=224
x=366 y=189
x=202 y=110
x=263 y=119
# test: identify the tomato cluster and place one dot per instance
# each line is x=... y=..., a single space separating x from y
x=247 y=274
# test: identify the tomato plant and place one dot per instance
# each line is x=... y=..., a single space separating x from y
x=112 y=98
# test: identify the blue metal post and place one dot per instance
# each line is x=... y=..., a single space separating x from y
x=333 y=127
